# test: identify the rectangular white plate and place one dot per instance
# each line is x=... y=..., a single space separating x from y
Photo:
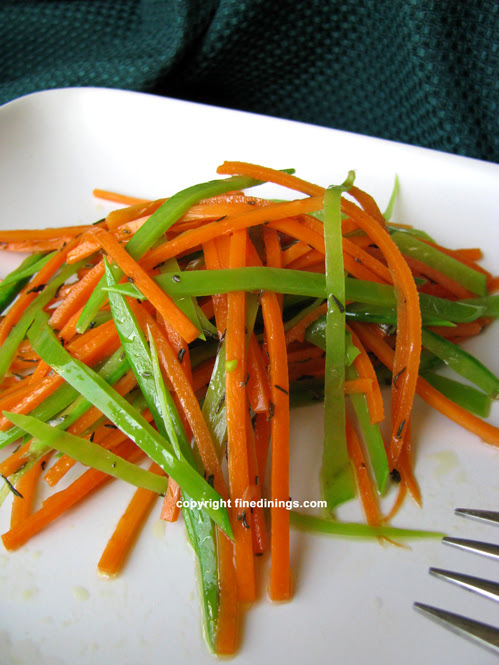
x=353 y=601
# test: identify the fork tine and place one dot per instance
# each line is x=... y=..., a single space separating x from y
x=483 y=587
x=487 y=549
x=483 y=515
x=481 y=633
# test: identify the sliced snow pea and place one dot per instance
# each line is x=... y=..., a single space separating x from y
x=18 y=332
x=469 y=398
x=88 y=453
x=353 y=530
x=198 y=524
x=124 y=416
x=372 y=436
x=18 y=278
x=337 y=479
x=471 y=279
x=461 y=362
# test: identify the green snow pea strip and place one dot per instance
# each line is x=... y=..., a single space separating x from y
x=157 y=225
x=198 y=524
x=372 y=436
x=353 y=530
x=471 y=279
x=18 y=278
x=302 y=314
x=316 y=334
x=66 y=403
x=32 y=264
x=304 y=284
x=461 y=362
x=489 y=305
x=18 y=332
x=393 y=197
x=469 y=398
x=387 y=315
x=124 y=416
x=337 y=479
x=214 y=410
x=186 y=304
x=88 y=453
x=139 y=359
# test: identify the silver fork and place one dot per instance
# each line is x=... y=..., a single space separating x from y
x=481 y=633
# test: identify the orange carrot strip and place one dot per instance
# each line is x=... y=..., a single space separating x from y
x=487 y=432
x=77 y=297
x=460 y=329
x=262 y=441
x=367 y=494
x=408 y=345
x=27 y=295
x=258 y=526
x=154 y=294
x=120 y=544
x=195 y=237
x=368 y=204
x=170 y=510
x=27 y=235
x=58 y=503
x=355 y=386
x=270 y=175
x=26 y=486
x=294 y=252
x=258 y=387
x=236 y=403
x=365 y=368
x=133 y=212
x=227 y=637
x=472 y=254
x=117 y=198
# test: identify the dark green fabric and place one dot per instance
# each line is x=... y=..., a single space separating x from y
x=418 y=71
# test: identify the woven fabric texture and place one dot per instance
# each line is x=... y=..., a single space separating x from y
x=423 y=72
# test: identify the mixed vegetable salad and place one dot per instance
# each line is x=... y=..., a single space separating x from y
x=180 y=332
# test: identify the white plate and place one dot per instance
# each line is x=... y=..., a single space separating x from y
x=353 y=600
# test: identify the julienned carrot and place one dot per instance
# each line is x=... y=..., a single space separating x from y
x=257 y=387
x=280 y=577
x=368 y=204
x=28 y=294
x=361 y=385
x=26 y=486
x=487 y=432
x=133 y=212
x=120 y=543
x=408 y=345
x=406 y=469
x=258 y=526
x=115 y=197
x=227 y=636
x=199 y=236
x=236 y=405
x=77 y=297
x=163 y=303
x=59 y=503
x=366 y=492
x=270 y=175
x=365 y=368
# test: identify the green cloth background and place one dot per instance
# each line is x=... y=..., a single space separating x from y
x=418 y=71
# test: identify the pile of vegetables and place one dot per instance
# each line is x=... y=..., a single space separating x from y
x=181 y=331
